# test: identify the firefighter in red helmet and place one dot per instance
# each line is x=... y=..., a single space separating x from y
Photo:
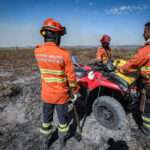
x=57 y=78
x=104 y=53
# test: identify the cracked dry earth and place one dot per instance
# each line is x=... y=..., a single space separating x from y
x=20 y=119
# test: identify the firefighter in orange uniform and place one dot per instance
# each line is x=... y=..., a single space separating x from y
x=104 y=53
x=57 y=78
x=141 y=61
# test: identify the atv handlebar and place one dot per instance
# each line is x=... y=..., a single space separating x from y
x=100 y=66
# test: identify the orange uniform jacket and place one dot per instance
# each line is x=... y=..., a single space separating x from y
x=103 y=55
x=140 y=61
x=57 y=73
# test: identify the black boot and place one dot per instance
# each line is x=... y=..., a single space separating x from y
x=44 y=143
x=62 y=140
x=146 y=132
x=45 y=138
x=63 y=136
x=142 y=132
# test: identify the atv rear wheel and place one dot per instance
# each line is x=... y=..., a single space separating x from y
x=109 y=113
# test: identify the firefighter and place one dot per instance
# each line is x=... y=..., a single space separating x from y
x=57 y=79
x=104 y=53
x=141 y=61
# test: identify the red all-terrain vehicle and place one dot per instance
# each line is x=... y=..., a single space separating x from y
x=109 y=93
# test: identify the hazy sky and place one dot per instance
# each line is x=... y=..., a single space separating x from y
x=85 y=20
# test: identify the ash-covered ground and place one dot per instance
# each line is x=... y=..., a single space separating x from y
x=20 y=111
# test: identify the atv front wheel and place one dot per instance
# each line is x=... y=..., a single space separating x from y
x=109 y=113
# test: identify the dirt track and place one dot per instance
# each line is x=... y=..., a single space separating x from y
x=20 y=109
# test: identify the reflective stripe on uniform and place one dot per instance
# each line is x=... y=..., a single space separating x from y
x=63 y=128
x=145 y=68
x=146 y=76
x=146 y=119
x=73 y=84
x=146 y=125
x=50 y=80
x=46 y=125
x=63 y=125
x=54 y=72
x=45 y=132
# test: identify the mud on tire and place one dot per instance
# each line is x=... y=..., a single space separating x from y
x=109 y=113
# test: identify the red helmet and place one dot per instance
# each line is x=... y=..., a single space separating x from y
x=105 y=38
x=52 y=25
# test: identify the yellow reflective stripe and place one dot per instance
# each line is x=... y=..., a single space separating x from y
x=66 y=129
x=54 y=72
x=146 y=119
x=145 y=68
x=46 y=132
x=63 y=125
x=146 y=76
x=146 y=125
x=46 y=125
x=73 y=84
x=50 y=80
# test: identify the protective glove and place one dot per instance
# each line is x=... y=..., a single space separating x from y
x=75 y=97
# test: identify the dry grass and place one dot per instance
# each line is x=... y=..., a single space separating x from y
x=22 y=61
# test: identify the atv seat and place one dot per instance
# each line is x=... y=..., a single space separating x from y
x=114 y=78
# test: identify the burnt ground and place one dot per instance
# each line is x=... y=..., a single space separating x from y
x=20 y=109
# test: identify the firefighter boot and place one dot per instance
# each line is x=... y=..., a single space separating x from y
x=142 y=132
x=62 y=140
x=146 y=132
x=46 y=134
x=44 y=142
x=63 y=133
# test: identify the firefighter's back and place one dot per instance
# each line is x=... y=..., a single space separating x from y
x=51 y=61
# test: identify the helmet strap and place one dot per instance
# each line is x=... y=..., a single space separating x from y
x=58 y=40
x=49 y=40
x=105 y=46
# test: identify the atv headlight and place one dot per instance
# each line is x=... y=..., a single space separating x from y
x=91 y=75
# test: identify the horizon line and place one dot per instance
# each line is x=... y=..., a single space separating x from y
x=119 y=45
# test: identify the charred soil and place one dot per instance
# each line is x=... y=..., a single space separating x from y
x=20 y=108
